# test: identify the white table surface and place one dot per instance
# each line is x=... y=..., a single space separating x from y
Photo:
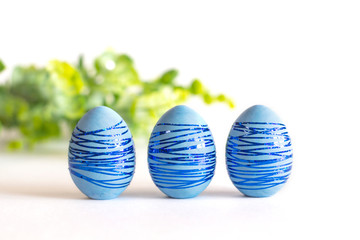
x=38 y=200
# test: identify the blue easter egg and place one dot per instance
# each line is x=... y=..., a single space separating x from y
x=259 y=152
x=101 y=154
x=181 y=153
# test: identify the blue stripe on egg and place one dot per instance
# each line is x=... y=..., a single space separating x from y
x=181 y=153
x=101 y=161
x=259 y=153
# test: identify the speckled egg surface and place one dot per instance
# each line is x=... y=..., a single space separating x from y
x=259 y=152
x=101 y=154
x=181 y=153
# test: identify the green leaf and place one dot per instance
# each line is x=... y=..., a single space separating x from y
x=2 y=66
x=197 y=87
x=168 y=77
x=221 y=98
x=65 y=77
x=39 y=128
x=12 y=109
x=31 y=84
x=115 y=72
x=15 y=145
x=208 y=99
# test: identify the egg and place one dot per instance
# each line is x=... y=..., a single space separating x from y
x=181 y=153
x=101 y=154
x=259 y=152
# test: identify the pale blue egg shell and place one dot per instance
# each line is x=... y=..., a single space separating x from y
x=101 y=154
x=259 y=152
x=181 y=153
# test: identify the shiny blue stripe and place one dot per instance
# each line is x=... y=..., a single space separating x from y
x=259 y=155
x=102 y=155
x=179 y=151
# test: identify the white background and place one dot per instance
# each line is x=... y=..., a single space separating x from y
x=301 y=58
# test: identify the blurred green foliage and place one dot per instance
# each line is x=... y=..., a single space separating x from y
x=2 y=66
x=43 y=103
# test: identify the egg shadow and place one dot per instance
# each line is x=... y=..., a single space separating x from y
x=143 y=193
x=56 y=192
x=221 y=193
x=69 y=192
x=154 y=193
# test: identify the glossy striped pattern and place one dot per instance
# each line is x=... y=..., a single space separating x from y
x=259 y=156
x=181 y=156
x=103 y=157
